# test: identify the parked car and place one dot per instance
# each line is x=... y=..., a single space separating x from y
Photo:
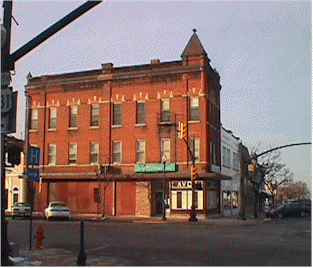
x=290 y=210
x=57 y=210
x=21 y=210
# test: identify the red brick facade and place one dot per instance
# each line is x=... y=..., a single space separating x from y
x=190 y=91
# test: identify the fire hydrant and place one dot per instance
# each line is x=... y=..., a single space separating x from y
x=39 y=237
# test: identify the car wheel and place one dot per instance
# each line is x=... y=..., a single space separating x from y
x=280 y=215
x=302 y=214
x=13 y=217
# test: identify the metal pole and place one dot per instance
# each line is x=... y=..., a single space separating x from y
x=5 y=67
x=163 y=195
x=5 y=247
x=81 y=261
x=242 y=212
x=52 y=30
x=193 y=214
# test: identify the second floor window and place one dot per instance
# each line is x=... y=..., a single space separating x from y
x=73 y=116
x=52 y=154
x=141 y=152
x=53 y=117
x=72 y=156
x=141 y=113
x=165 y=149
x=165 y=111
x=117 y=152
x=94 y=153
x=117 y=114
x=194 y=109
x=194 y=144
x=34 y=119
x=94 y=122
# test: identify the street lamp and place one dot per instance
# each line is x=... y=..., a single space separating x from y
x=163 y=195
x=253 y=174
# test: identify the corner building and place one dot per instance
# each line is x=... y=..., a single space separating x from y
x=109 y=137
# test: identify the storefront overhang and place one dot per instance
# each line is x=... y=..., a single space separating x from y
x=132 y=177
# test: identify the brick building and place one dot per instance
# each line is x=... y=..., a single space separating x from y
x=109 y=129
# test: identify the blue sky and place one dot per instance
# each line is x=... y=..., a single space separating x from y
x=262 y=51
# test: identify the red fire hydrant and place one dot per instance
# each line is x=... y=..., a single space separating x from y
x=39 y=237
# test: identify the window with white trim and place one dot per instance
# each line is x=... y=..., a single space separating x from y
x=194 y=114
x=117 y=114
x=141 y=113
x=52 y=154
x=72 y=155
x=141 y=152
x=117 y=152
x=194 y=145
x=94 y=120
x=73 y=116
x=53 y=118
x=166 y=149
x=165 y=111
x=94 y=152
x=34 y=119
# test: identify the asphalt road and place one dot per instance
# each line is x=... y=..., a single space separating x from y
x=285 y=242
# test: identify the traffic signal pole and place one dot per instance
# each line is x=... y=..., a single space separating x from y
x=182 y=136
x=7 y=64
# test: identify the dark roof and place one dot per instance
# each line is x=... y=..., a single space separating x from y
x=194 y=46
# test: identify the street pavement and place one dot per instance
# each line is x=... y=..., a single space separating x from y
x=128 y=256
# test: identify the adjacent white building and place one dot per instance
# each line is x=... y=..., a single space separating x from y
x=230 y=166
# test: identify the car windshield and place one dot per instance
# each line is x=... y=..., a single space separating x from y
x=58 y=205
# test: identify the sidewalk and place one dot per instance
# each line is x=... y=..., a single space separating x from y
x=61 y=257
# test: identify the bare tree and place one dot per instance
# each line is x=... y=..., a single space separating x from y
x=294 y=190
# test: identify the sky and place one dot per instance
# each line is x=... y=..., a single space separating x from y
x=261 y=49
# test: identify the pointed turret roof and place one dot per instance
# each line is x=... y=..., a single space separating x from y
x=194 y=46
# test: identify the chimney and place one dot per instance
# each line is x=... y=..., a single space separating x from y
x=107 y=66
x=155 y=61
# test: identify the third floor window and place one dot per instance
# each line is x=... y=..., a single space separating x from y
x=117 y=114
x=53 y=118
x=165 y=111
x=141 y=113
x=73 y=116
x=94 y=121
x=194 y=109
x=34 y=119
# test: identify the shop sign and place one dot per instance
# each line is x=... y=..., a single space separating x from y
x=184 y=184
x=154 y=168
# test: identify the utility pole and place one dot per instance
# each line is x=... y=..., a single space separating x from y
x=8 y=97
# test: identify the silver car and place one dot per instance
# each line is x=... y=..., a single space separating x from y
x=57 y=209
x=20 y=210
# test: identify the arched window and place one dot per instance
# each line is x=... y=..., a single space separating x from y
x=15 y=195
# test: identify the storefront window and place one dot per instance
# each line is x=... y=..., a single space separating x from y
x=179 y=200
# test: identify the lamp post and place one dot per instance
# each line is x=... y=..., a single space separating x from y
x=252 y=170
x=163 y=194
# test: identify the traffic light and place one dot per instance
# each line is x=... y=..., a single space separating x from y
x=182 y=131
x=193 y=173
